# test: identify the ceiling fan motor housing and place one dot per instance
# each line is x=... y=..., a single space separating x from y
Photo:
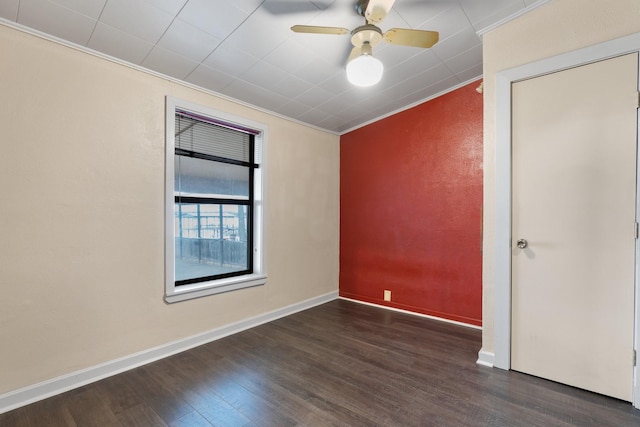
x=361 y=7
x=369 y=34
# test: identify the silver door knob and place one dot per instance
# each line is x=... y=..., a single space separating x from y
x=522 y=243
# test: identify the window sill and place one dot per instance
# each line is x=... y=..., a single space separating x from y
x=197 y=290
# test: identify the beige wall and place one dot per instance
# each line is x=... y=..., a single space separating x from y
x=557 y=27
x=81 y=216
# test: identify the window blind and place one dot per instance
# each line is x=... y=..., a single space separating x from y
x=196 y=136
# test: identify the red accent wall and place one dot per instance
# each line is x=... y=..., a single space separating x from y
x=411 y=209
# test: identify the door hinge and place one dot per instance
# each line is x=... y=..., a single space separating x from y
x=635 y=357
x=636 y=232
x=638 y=99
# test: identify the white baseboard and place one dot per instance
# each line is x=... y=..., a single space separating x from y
x=33 y=393
x=485 y=358
x=467 y=325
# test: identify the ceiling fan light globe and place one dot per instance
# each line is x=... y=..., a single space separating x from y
x=364 y=71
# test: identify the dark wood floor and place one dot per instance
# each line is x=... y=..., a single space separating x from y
x=339 y=364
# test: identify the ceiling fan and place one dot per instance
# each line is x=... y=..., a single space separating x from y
x=362 y=68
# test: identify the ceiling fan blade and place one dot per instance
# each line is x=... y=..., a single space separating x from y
x=407 y=37
x=312 y=29
x=377 y=10
x=355 y=52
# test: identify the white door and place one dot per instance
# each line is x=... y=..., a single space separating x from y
x=574 y=187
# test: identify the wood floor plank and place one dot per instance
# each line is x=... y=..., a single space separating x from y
x=88 y=409
x=261 y=380
x=47 y=413
x=140 y=415
x=339 y=364
x=192 y=419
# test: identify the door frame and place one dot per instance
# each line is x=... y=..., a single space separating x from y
x=504 y=80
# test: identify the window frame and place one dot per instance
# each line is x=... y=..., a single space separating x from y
x=181 y=292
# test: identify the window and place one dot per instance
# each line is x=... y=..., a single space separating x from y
x=214 y=202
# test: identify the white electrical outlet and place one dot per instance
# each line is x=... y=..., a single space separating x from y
x=387 y=295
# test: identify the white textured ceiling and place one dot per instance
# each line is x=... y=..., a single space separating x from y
x=244 y=49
